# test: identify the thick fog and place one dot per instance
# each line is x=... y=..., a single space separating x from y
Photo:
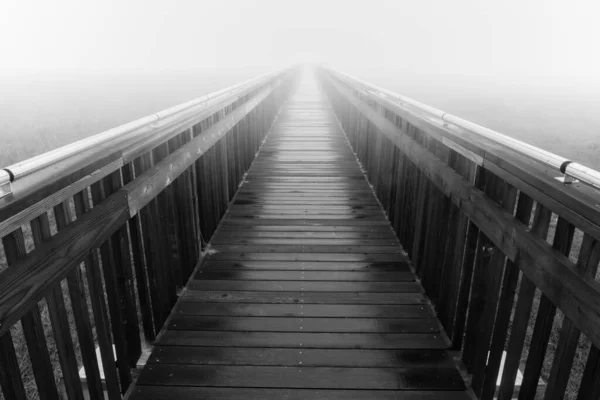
x=531 y=39
x=527 y=68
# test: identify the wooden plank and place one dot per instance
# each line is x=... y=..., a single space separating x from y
x=188 y=393
x=303 y=377
x=298 y=226
x=304 y=340
x=303 y=324
x=308 y=286
x=339 y=276
x=295 y=357
x=279 y=297
x=223 y=234
x=269 y=242
x=304 y=310
x=327 y=257
x=329 y=266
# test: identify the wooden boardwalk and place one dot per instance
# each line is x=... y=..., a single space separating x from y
x=308 y=294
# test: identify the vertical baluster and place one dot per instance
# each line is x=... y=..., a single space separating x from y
x=590 y=382
x=111 y=260
x=589 y=257
x=153 y=251
x=92 y=269
x=487 y=283
x=10 y=375
x=507 y=297
x=474 y=174
x=541 y=223
x=40 y=228
x=170 y=266
x=80 y=313
x=139 y=263
x=563 y=239
x=33 y=329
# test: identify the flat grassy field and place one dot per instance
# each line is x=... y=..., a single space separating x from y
x=38 y=114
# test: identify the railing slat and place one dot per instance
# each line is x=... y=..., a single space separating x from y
x=10 y=375
x=33 y=330
x=81 y=317
x=139 y=263
x=153 y=250
x=541 y=224
x=505 y=306
x=98 y=303
x=590 y=382
x=589 y=257
x=110 y=255
x=563 y=239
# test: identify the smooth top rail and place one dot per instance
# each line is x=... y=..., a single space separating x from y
x=121 y=133
x=570 y=169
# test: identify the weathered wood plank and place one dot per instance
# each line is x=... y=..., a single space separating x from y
x=188 y=393
x=304 y=310
x=279 y=297
x=303 y=377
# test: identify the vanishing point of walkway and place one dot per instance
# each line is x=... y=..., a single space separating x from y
x=308 y=294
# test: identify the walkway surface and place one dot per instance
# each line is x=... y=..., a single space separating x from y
x=309 y=294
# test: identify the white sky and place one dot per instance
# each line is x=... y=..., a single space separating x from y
x=503 y=38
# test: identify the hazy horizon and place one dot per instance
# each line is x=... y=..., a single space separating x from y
x=527 y=69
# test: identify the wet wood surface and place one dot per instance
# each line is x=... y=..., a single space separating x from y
x=306 y=293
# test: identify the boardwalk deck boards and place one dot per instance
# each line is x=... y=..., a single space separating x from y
x=308 y=294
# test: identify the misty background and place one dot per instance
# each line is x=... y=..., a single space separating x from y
x=70 y=69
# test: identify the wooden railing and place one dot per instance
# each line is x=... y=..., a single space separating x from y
x=98 y=236
x=500 y=245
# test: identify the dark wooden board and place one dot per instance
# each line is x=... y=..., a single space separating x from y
x=304 y=310
x=338 y=276
x=366 y=257
x=309 y=286
x=303 y=377
x=424 y=341
x=304 y=242
x=295 y=357
x=213 y=393
x=302 y=297
x=330 y=266
x=302 y=324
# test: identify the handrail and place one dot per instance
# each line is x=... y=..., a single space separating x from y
x=571 y=170
x=121 y=133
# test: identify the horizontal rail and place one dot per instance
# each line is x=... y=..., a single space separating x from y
x=570 y=169
x=138 y=128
